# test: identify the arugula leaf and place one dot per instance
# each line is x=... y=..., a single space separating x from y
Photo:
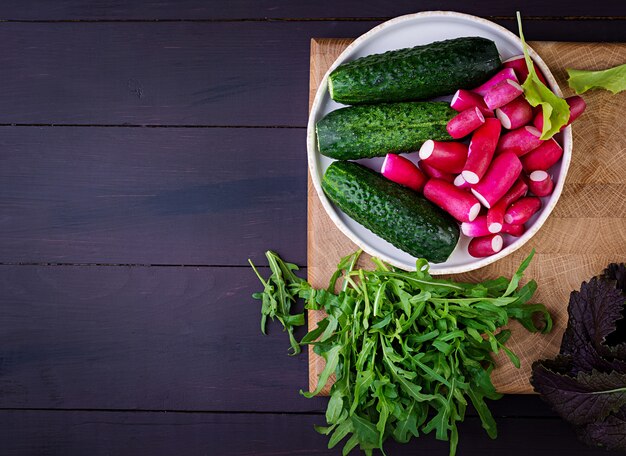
x=555 y=109
x=281 y=290
x=408 y=351
x=611 y=79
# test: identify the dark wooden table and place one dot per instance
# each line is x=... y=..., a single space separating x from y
x=147 y=149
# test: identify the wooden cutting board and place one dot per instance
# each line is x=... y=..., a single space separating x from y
x=586 y=231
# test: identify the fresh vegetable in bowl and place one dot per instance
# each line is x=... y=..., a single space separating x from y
x=417 y=73
x=409 y=352
x=392 y=211
x=509 y=120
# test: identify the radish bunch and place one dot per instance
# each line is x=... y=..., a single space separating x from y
x=493 y=184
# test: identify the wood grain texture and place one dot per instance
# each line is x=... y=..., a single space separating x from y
x=584 y=233
x=151 y=338
x=184 y=73
x=151 y=196
x=261 y=9
x=27 y=433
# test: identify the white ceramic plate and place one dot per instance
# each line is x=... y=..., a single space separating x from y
x=407 y=31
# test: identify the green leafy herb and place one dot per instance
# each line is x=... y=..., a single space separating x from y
x=612 y=79
x=586 y=382
x=555 y=109
x=280 y=291
x=409 y=352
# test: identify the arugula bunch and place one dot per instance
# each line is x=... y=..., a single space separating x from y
x=410 y=352
x=586 y=382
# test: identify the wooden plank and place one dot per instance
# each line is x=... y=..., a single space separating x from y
x=181 y=73
x=153 y=338
x=214 y=74
x=261 y=9
x=151 y=196
x=584 y=233
x=103 y=433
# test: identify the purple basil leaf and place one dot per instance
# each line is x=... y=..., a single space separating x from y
x=616 y=273
x=593 y=312
x=609 y=434
x=583 y=399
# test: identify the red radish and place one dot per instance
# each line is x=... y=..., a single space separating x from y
x=435 y=173
x=520 y=141
x=518 y=64
x=464 y=99
x=502 y=93
x=461 y=183
x=461 y=205
x=540 y=183
x=538 y=120
x=495 y=214
x=513 y=230
x=543 y=157
x=465 y=122
x=481 y=149
x=522 y=210
x=446 y=156
x=576 y=107
x=502 y=75
x=500 y=177
x=402 y=171
x=476 y=228
x=485 y=246
x=515 y=114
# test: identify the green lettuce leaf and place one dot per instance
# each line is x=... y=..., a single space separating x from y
x=612 y=79
x=555 y=109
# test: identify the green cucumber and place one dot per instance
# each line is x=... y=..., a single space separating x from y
x=375 y=130
x=399 y=215
x=416 y=73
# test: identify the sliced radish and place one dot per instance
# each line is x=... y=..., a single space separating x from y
x=481 y=149
x=543 y=157
x=520 y=141
x=461 y=205
x=500 y=177
x=540 y=183
x=576 y=107
x=402 y=171
x=485 y=246
x=515 y=114
x=446 y=156
x=465 y=122
x=513 y=230
x=464 y=99
x=502 y=75
x=522 y=210
x=495 y=214
x=502 y=93
x=435 y=173
x=518 y=64
x=476 y=228
x=461 y=183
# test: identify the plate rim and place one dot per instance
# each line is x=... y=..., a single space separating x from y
x=315 y=171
